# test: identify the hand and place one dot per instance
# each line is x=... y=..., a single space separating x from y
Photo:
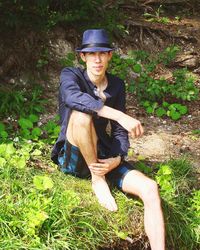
x=133 y=126
x=103 y=166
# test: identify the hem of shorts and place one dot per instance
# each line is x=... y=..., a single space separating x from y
x=122 y=179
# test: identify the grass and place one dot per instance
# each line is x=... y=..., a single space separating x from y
x=49 y=210
x=55 y=212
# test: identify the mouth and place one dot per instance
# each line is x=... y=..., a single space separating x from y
x=98 y=67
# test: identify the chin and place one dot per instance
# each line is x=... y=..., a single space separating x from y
x=99 y=72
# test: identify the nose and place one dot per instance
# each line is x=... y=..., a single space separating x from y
x=97 y=57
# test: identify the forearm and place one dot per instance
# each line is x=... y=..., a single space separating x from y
x=133 y=126
x=110 y=113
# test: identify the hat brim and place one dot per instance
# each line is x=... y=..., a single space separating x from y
x=94 y=49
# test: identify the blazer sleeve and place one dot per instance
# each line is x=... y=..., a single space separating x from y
x=72 y=94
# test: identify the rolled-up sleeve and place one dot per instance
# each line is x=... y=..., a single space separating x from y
x=119 y=135
x=74 y=96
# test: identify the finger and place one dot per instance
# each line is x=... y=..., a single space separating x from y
x=98 y=169
x=133 y=134
x=101 y=160
x=141 y=130
x=97 y=164
x=138 y=131
x=98 y=172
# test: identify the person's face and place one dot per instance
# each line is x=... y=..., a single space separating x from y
x=96 y=62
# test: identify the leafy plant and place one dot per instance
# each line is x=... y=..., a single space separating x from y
x=21 y=102
x=3 y=133
x=44 y=59
x=42 y=182
x=153 y=93
x=28 y=130
x=184 y=87
x=168 y=55
x=52 y=129
x=176 y=182
x=42 y=16
x=175 y=110
x=68 y=61
x=156 y=17
x=122 y=66
x=196 y=132
x=164 y=179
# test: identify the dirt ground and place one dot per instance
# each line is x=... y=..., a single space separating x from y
x=165 y=139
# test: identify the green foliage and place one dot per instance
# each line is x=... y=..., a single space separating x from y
x=183 y=86
x=42 y=15
x=194 y=209
x=156 y=17
x=21 y=102
x=37 y=206
x=168 y=55
x=27 y=129
x=154 y=93
x=42 y=182
x=44 y=59
x=175 y=110
x=3 y=133
x=121 y=66
x=181 y=203
x=68 y=61
x=52 y=129
x=196 y=132
x=164 y=179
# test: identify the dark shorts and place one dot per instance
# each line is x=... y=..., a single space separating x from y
x=72 y=162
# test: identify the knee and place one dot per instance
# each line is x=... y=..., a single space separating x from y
x=150 y=194
x=81 y=120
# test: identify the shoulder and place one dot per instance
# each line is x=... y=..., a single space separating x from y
x=71 y=70
x=70 y=73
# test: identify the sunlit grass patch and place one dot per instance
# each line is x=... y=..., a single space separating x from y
x=42 y=209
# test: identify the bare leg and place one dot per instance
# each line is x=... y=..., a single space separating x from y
x=138 y=184
x=81 y=133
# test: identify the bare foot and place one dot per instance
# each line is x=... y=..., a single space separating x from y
x=102 y=191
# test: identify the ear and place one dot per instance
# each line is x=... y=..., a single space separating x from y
x=82 y=55
x=110 y=55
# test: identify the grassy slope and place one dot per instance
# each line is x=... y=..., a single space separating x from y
x=43 y=210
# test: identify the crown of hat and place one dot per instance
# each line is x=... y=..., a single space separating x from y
x=95 y=36
x=95 y=40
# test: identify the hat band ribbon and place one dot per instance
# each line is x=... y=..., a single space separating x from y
x=92 y=45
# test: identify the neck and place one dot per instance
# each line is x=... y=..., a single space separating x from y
x=96 y=79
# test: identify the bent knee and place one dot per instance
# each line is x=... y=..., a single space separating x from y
x=150 y=193
x=80 y=119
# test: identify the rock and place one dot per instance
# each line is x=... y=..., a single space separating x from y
x=150 y=146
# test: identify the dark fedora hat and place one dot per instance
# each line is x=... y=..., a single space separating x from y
x=95 y=40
